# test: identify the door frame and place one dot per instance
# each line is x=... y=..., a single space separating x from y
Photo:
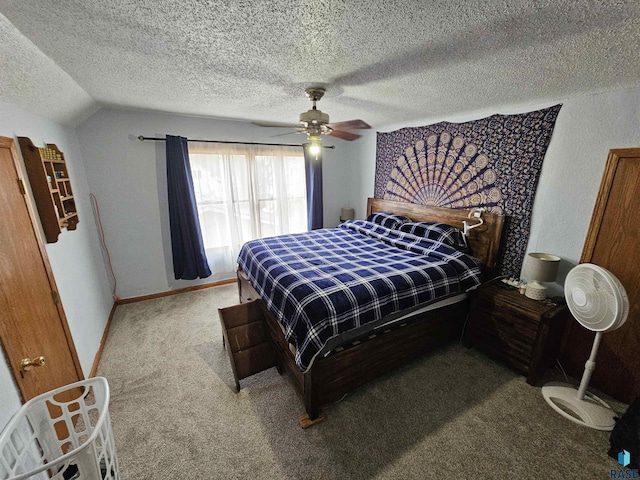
x=578 y=341
x=10 y=144
x=602 y=199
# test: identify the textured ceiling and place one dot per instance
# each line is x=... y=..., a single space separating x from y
x=384 y=61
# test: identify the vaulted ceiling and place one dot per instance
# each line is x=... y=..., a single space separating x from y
x=384 y=61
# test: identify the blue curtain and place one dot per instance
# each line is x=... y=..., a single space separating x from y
x=189 y=260
x=313 y=174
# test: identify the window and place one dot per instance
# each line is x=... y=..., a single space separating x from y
x=245 y=193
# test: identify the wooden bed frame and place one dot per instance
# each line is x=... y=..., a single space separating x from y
x=331 y=377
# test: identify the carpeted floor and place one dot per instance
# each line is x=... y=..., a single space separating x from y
x=452 y=414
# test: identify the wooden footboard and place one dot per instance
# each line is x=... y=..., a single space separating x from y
x=331 y=377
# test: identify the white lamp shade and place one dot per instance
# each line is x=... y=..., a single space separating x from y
x=541 y=267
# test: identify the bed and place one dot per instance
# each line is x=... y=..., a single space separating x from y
x=330 y=344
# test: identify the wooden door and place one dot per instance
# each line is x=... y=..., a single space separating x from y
x=613 y=242
x=32 y=322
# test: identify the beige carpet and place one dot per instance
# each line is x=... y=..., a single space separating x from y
x=452 y=414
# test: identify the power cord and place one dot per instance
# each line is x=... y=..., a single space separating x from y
x=562 y=370
x=96 y=210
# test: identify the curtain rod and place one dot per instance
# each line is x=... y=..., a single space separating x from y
x=142 y=138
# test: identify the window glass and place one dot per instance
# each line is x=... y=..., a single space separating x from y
x=245 y=193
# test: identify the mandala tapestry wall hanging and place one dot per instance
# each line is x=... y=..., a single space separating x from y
x=494 y=162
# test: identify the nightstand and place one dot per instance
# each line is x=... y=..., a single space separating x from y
x=525 y=334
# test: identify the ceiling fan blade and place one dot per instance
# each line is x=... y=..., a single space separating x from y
x=277 y=125
x=343 y=135
x=288 y=133
x=350 y=125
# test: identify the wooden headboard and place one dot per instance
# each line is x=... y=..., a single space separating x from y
x=483 y=240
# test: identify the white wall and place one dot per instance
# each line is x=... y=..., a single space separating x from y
x=76 y=259
x=586 y=129
x=129 y=178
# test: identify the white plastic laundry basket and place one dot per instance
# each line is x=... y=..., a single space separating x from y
x=64 y=434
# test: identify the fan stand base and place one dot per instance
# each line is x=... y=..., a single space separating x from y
x=591 y=411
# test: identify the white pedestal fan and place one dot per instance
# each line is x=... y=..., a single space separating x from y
x=599 y=302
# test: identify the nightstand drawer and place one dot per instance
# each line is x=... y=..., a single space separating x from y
x=515 y=303
x=499 y=350
x=505 y=320
x=515 y=354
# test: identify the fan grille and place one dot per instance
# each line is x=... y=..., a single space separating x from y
x=596 y=298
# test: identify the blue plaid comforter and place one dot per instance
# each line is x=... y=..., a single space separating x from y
x=326 y=282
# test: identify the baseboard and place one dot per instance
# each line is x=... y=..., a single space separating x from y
x=96 y=361
x=124 y=301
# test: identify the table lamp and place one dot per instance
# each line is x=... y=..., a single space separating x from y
x=539 y=268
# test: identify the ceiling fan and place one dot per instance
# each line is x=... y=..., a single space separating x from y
x=316 y=123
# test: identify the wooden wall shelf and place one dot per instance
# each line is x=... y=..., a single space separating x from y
x=52 y=192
